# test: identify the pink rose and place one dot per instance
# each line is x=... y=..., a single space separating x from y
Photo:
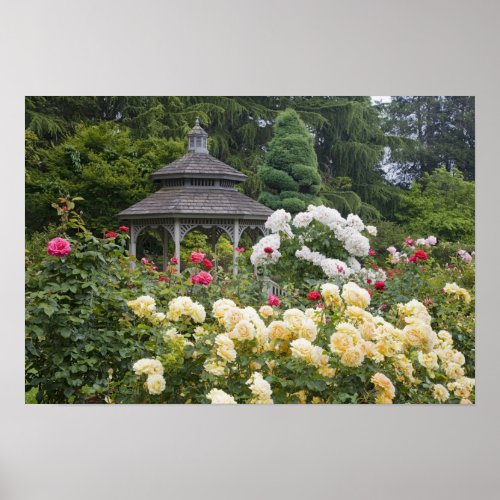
x=58 y=247
x=272 y=300
x=144 y=261
x=202 y=278
x=432 y=240
x=196 y=257
x=392 y=250
x=124 y=229
x=174 y=260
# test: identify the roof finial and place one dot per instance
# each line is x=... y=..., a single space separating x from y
x=197 y=122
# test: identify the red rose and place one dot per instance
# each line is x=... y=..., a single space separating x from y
x=268 y=250
x=409 y=242
x=58 y=247
x=124 y=229
x=196 y=257
x=240 y=249
x=163 y=278
x=202 y=278
x=207 y=264
x=369 y=280
x=314 y=295
x=420 y=255
x=372 y=252
x=412 y=258
x=110 y=234
x=272 y=300
x=380 y=285
x=174 y=260
x=383 y=307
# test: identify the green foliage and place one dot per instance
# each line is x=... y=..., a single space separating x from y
x=293 y=205
x=271 y=200
x=277 y=180
x=101 y=163
x=388 y=234
x=441 y=204
x=72 y=335
x=103 y=148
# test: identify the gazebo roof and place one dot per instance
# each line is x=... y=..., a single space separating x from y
x=197 y=201
x=199 y=165
x=198 y=185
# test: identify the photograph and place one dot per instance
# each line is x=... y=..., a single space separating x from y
x=250 y=250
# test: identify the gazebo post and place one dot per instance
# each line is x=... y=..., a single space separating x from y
x=235 y=244
x=132 y=250
x=177 y=241
x=165 y=248
x=213 y=242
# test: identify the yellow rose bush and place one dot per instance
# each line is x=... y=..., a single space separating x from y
x=342 y=352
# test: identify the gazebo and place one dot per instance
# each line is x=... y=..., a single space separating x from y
x=196 y=191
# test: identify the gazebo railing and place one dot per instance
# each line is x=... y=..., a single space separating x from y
x=271 y=287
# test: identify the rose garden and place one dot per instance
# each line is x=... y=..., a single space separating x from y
x=318 y=306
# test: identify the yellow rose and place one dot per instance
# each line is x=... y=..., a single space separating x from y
x=308 y=330
x=278 y=330
x=440 y=393
x=454 y=370
x=383 y=384
x=155 y=384
x=428 y=360
x=331 y=295
x=419 y=335
x=266 y=311
x=354 y=295
x=353 y=357
x=221 y=306
x=294 y=318
x=340 y=342
x=225 y=347
x=232 y=317
x=244 y=330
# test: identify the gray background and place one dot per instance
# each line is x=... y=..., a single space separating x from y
x=228 y=48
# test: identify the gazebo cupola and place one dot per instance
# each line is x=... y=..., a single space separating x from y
x=197 y=139
x=196 y=191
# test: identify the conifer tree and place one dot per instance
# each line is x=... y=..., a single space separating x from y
x=290 y=173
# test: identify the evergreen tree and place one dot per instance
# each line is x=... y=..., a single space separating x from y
x=435 y=131
x=290 y=174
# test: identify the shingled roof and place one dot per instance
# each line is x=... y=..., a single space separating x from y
x=197 y=201
x=197 y=185
x=200 y=165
